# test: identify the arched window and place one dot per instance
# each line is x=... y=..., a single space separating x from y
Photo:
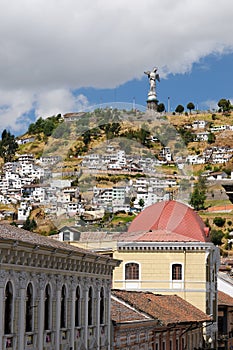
x=90 y=306
x=47 y=308
x=63 y=307
x=132 y=271
x=176 y=272
x=102 y=306
x=8 y=309
x=77 y=307
x=29 y=308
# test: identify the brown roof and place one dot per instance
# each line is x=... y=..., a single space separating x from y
x=167 y=309
x=121 y=312
x=224 y=299
x=98 y=236
x=9 y=232
x=167 y=221
x=74 y=114
x=86 y=236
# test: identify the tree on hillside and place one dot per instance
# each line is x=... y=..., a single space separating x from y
x=160 y=107
x=87 y=137
x=179 y=109
x=48 y=127
x=197 y=199
x=224 y=105
x=186 y=135
x=143 y=134
x=216 y=236
x=141 y=202
x=111 y=129
x=211 y=138
x=219 y=221
x=198 y=196
x=190 y=107
x=8 y=146
x=29 y=225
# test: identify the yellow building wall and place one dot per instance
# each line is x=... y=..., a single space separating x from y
x=156 y=273
x=95 y=245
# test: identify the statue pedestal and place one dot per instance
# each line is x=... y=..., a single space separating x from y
x=152 y=102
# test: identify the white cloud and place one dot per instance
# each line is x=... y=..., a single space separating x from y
x=17 y=105
x=14 y=107
x=58 y=45
x=58 y=101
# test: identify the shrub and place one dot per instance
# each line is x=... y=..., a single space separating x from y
x=216 y=236
x=219 y=221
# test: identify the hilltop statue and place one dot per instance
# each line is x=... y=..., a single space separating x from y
x=153 y=76
x=152 y=97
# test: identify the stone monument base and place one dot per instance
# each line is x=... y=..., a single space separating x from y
x=152 y=104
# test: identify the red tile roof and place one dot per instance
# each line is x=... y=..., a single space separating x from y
x=221 y=208
x=121 y=312
x=224 y=299
x=167 y=309
x=167 y=221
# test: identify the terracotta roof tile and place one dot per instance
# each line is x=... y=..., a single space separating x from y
x=167 y=309
x=171 y=217
x=121 y=312
x=224 y=299
x=156 y=236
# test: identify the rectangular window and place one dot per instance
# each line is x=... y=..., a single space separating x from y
x=132 y=271
x=176 y=272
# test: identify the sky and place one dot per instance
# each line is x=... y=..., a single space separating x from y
x=59 y=56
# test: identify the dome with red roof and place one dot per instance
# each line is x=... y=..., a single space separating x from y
x=168 y=221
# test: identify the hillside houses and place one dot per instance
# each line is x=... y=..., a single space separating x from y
x=129 y=197
x=203 y=124
x=32 y=181
x=217 y=154
x=202 y=136
x=120 y=161
x=22 y=181
x=212 y=155
x=199 y=124
x=24 y=140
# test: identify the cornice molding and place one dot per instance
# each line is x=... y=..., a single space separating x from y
x=164 y=246
x=31 y=259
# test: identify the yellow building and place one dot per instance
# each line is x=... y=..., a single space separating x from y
x=167 y=250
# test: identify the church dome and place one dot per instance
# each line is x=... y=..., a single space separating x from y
x=169 y=221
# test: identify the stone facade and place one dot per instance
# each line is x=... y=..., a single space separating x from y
x=52 y=296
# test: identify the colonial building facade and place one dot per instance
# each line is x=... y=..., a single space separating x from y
x=167 y=250
x=53 y=296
